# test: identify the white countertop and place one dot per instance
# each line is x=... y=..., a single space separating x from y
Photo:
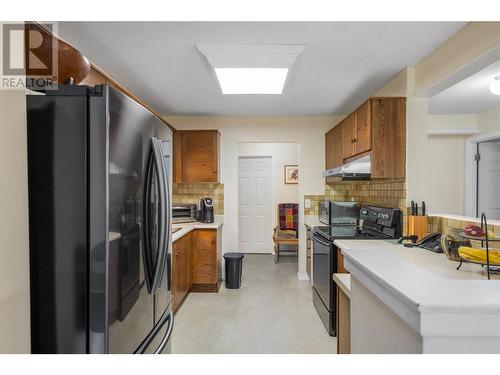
x=188 y=227
x=424 y=288
x=312 y=221
x=466 y=218
x=343 y=280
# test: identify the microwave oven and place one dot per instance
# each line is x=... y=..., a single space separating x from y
x=335 y=213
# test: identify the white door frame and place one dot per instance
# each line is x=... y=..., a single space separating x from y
x=471 y=170
x=272 y=214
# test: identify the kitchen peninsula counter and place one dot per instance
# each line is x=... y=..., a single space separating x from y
x=410 y=300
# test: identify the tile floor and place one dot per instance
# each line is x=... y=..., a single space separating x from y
x=271 y=313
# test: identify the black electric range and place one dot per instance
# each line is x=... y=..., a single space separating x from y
x=374 y=223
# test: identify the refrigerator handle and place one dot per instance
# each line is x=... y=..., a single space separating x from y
x=168 y=334
x=167 y=317
x=147 y=247
x=163 y=241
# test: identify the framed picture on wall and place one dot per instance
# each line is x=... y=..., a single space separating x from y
x=291 y=174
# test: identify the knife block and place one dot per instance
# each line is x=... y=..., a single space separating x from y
x=417 y=225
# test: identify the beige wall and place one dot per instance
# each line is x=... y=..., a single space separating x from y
x=489 y=121
x=14 y=261
x=307 y=131
x=463 y=48
x=397 y=86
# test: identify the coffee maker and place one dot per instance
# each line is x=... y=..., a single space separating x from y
x=206 y=211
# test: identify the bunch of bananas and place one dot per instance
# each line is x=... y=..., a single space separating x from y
x=479 y=255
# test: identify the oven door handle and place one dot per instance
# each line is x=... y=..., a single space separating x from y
x=318 y=239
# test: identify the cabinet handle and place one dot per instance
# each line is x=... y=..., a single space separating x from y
x=355 y=140
x=215 y=170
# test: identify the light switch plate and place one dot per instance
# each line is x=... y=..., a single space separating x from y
x=307 y=203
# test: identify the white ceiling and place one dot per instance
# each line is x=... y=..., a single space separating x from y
x=343 y=63
x=472 y=95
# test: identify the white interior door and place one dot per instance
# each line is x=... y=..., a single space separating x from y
x=489 y=180
x=254 y=201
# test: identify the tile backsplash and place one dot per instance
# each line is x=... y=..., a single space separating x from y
x=314 y=209
x=193 y=192
x=378 y=192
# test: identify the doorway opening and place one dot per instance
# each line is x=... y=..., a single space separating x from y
x=482 y=174
x=488 y=178
x=262 y=185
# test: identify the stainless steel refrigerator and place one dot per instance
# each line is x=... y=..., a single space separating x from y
x=99 y=174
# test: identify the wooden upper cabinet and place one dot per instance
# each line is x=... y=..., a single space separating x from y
x=197 y=158
x=338 y=145
x=377 y=127
x=348 y=130
x=389 y=138
x=362 y=133
x=330 y=150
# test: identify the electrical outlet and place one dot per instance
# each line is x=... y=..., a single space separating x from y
x=307 y=203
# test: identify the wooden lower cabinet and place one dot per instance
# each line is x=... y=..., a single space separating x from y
x=195 y=265
x=308 y=250
x=343 y=323
x=181 y=282
x=206 y=274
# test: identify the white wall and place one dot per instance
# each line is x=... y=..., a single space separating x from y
x=14 y=253
x=307 y=131
x=489 y=121
x=281 y=154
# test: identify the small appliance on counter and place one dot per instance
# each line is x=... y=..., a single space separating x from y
x=184 y=213
x=335 y=213
x=206 y=211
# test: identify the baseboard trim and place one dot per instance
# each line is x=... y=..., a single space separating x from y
x=205 y=288
x=303 y=276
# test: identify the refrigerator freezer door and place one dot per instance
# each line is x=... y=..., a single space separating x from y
x=159 y=341
x=130 y=306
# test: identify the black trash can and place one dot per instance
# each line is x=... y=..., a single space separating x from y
x=234 y=269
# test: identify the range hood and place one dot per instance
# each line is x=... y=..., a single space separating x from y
x=359 y=169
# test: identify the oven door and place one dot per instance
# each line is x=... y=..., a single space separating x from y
x=324 y=260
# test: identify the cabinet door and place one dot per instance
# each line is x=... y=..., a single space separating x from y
x=175 y=274
x=199 y=156
x=329 y=150
x=190 y=252
x=348 y=131
x=389 y=135
x=183 y=270
x=205 y=267
x=338 y=145
x=363 y=136
x=177 y=156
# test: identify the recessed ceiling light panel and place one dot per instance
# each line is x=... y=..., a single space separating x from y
x=251 y=80
x=251 y=69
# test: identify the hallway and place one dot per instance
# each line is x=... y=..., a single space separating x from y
x=271 y=313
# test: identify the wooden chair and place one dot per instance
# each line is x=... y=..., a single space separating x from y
x=287 y=230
